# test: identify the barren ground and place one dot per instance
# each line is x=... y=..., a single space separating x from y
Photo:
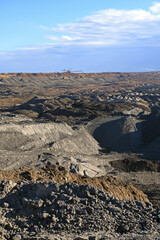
x=61 y=128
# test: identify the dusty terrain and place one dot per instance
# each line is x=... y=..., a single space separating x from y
x=64 y=131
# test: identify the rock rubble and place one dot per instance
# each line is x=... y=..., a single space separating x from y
x=28 y=209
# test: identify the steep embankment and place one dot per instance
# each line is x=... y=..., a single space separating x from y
x=60 y=136
x=119 y=134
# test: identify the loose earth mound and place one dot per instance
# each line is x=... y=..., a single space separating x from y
x=42 y=210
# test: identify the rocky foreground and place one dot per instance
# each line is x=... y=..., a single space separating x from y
x=48 y=210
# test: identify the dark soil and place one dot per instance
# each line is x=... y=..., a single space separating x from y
x=72 y=109
x=135 y=165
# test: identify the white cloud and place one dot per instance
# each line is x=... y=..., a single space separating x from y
x=53 y=38
x=111 y=27
x=156 y=7
x=71 y=38
x=42 y=47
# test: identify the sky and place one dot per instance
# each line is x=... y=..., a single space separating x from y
x=87 y=35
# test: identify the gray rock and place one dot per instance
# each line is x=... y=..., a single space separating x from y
x=80 y=238
x=5 y=205
x=45 y=215
x=17 y=237
x=40 y=203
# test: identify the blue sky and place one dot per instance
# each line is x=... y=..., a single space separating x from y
x=95 y=36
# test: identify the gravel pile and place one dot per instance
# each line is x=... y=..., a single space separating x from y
x=44 y=210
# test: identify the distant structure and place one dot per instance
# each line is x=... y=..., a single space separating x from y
x=71 y=71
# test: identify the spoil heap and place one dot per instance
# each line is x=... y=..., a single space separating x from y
x=42 y=210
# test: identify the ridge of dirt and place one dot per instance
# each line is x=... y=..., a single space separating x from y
x=116 y=187
x=100 y=74
x=40 y=74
